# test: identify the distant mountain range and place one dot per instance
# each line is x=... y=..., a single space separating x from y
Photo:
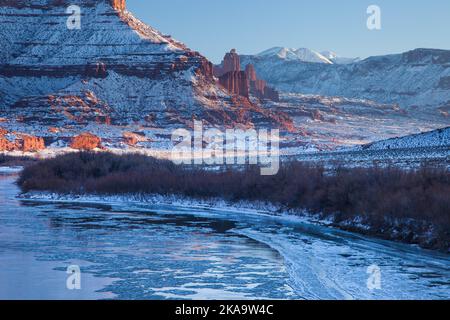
x=305 y=55
x=418 y=78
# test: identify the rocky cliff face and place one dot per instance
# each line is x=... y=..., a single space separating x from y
x=42 y=56
x=251 y=73
x=113 y=70
x=236 y=83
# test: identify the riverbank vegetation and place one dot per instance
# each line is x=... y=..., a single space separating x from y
x=408 y=205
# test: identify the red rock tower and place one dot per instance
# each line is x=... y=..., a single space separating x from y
x=231 y=62
x=242 y=82
x=251 y=73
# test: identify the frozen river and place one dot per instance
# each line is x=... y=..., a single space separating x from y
x=161 y=252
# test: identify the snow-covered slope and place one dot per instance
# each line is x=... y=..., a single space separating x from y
x=438 y=138
x=113 y=70
x=417 y=78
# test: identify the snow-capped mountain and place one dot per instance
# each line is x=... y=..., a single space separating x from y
x=288 y=54
x=418 y=78
x=113 y=70
x=306 y=55
x=336 y=59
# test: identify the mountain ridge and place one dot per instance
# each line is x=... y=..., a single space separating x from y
x=419 y=77
x=300 y=54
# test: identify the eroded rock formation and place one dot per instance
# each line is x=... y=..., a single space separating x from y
x=6 y=145
x=20 y=142
x=86 y=141
x=28 y=143
x=232 y=78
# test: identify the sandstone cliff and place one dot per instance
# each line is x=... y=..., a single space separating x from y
x=235 y=82
x=20 y=142
x=86 y=141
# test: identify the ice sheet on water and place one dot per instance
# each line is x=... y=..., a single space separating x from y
x=199 y=252
x=10 y=170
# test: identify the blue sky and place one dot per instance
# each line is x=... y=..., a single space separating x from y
x=215 y=26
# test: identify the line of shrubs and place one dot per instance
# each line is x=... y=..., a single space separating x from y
x=374 y=193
